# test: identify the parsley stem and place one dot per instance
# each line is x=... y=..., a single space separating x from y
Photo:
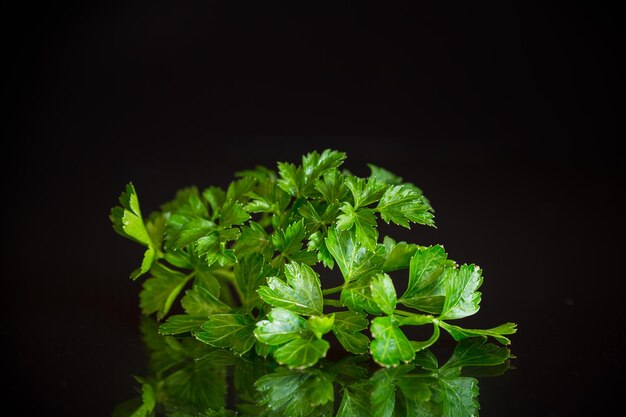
x=332 y=290
x=408 y=313
x=332 y=303
x=224 y=273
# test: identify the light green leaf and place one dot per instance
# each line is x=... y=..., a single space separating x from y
x=462 y=297
x=128 y=222
x=301 y=353
x=280 y=327
x=291 y=178
x=347 y=328
x=459 y=333
x=390 y=346
x=398 y=255
x=148 y=399
x=331 y=186
x=384 y=293
x=401 y=204
x=353 y=258
x=314 y=164
x=320 y=325
x=301 y=293
x=233 y=331
x=365 y=191
x=190 y=229
x=202 y=299
x=381 y=174
x=363 y=221
x=426 y=288
x=160 y=291
x=181 y=323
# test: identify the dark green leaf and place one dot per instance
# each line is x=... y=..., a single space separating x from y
x=475 y=352
x=181 y=323
x=253 y=239
x=233 y=213
x=249 y=274
x=289 y=241
x=202 y=300
x=354 y=405
x=459 y=396
x=291 y=178
x=347 y=329
x=301 y=293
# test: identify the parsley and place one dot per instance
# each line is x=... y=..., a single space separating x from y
x=238 y=263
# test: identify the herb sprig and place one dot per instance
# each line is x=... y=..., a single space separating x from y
x=239 y=261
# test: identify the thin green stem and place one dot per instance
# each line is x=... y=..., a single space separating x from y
x=332 y=290
x=333 y=303
x=224 y=273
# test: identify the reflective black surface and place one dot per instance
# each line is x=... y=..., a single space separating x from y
x=189 y=378
x=505 y=115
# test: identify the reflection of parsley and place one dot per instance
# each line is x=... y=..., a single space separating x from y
x=240 y=261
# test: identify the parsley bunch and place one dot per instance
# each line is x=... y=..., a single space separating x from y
x=240 y=261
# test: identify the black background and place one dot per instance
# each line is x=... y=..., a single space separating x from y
x=505 y=114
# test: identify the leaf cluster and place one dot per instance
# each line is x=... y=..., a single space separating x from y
x=243 y=268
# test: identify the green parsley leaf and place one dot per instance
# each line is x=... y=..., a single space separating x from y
x=353 y=258
x=462 y=299
x=398 y=255
x=382 y=175
x=331 y=186
x=301 y=293
x=301 y=353
x=401 y=204
x=128 y=222
x=280 y=327
x=459 y=333
x=181 y=323
x=160 y=291
x=289 y=241
x=426 y=289
x=347 y=328
x=390 y=346
x=250 y=272
x=363 y=221
x=233 y=331
x=365 y=191
x=384 y=293
x=320 y=325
